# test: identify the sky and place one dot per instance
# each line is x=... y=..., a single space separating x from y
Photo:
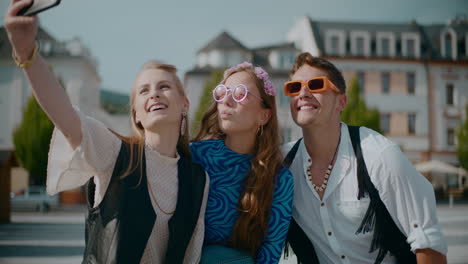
x=122 y=35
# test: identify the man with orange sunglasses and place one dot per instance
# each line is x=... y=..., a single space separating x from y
x=357 y=198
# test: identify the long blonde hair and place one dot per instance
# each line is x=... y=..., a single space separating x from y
x=137 y=138
x=255 y=202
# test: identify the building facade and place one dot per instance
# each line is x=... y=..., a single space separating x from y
x=415 y=75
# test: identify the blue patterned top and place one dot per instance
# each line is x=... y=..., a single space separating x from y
x=227 y=170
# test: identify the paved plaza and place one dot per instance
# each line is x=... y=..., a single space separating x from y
x=58 y=237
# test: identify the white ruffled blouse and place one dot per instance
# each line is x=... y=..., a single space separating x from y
x=96 y=157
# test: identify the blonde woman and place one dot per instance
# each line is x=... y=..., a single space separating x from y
x=251 y=195
x=146 y=198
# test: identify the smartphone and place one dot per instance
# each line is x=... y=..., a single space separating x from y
x=38 y=6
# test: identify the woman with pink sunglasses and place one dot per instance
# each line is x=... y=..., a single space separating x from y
x=251 y=195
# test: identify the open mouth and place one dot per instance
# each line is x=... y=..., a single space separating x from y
x=307 y=107
x=156 y=107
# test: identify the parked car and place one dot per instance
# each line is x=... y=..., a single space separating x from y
x=34 y=198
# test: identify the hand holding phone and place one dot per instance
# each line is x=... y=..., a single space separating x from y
x=21 y=30
x=38 y=6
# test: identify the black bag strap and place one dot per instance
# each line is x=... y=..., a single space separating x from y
x=300 y=244
x=291 y=154
x=387 y=237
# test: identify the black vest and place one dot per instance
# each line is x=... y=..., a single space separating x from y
x=118 y=230
x=386 y=238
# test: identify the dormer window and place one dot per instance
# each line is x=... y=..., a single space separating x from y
x=448 y=39
x=360 y=43
x=286 y=59
x=410 y=44
x=410 y=48
x=334 y=45
x=335 y=42
x=359 y=49
x=448 y=45
x=385 y=44
x=384 y=47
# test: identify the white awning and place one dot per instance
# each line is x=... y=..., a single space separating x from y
x=439 y=166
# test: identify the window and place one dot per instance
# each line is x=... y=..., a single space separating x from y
x=410 y=45
x=360 y=43
x=334 y=45
x=385 y=48
x=385 y=82
x=286 y=60
x=385 y=44
x=385 y=123
x=359 y=46
x=361 y=81
x=411 y=82
x=410 y=48
x=411 y=124
x=335 y=42
x=451 y=137
x=448 y=45
x=450 y=91
x=399 y=48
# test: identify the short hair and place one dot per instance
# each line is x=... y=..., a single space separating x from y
x=331 y=71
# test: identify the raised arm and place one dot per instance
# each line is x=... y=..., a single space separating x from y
x=50 y=95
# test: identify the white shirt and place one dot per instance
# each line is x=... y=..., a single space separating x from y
x=96 y=156
x=331 y=223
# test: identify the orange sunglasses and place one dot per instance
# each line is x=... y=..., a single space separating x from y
x=315 y=85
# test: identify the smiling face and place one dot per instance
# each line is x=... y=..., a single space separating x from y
x=245 y=116
x=157 y=100
x=315 y=109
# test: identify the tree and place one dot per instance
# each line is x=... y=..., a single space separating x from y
x=32 y=139
x=206 y=98
x=462 y=144
x=357 y=113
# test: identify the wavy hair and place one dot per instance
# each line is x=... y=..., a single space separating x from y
x=254 y=203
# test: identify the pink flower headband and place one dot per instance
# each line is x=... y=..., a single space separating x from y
x=259 y=72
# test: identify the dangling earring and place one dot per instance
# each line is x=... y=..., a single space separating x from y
x=182 y=126
x=260 y=129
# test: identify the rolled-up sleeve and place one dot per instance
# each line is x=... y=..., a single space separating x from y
x=409 y=198
x=70 y=168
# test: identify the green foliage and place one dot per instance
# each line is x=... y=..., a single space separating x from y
x=356 y=112
x=32 y=139
x=206 y=99
x=462 y=144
